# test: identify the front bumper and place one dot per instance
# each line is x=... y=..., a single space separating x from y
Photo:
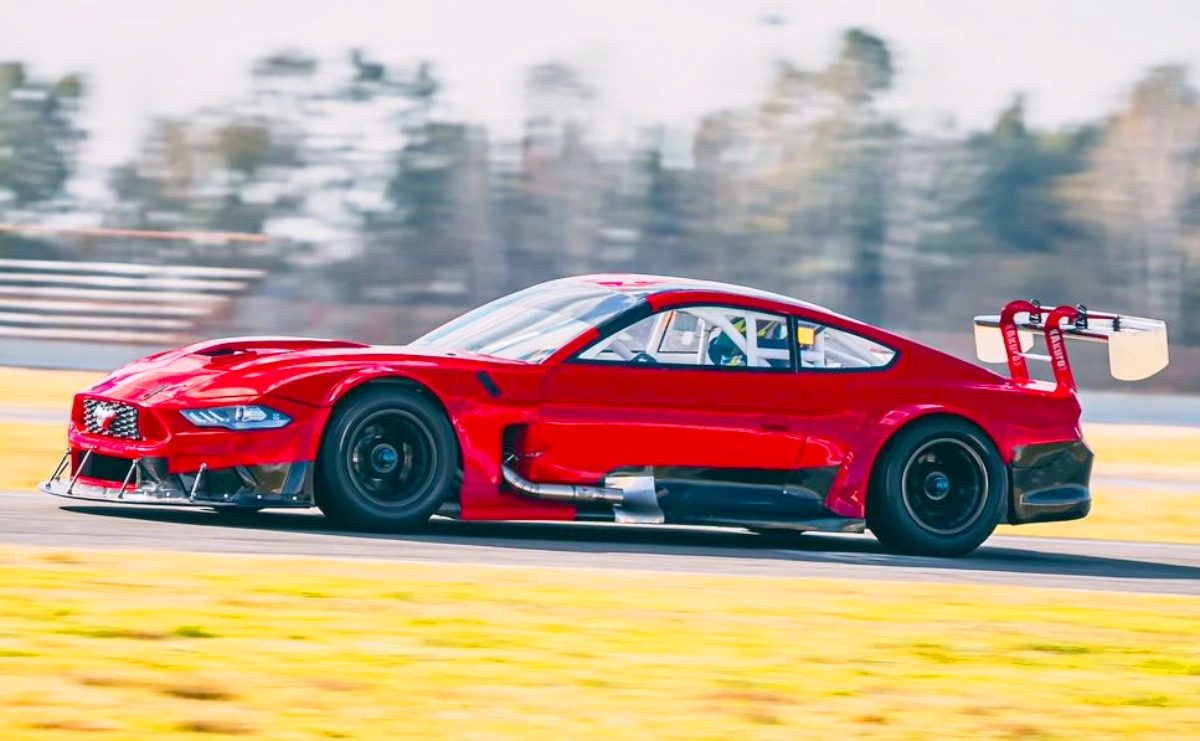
x=1050 y=482
x=96 y=477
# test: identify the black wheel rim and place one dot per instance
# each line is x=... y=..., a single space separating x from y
x=945 y=486
x=391 y=458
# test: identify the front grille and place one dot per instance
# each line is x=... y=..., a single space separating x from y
x=111 y=418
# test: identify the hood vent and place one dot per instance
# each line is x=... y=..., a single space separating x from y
x=242 y=345
x=222 y=352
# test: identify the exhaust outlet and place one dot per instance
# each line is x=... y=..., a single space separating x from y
x=634 y=498
x=561 y=492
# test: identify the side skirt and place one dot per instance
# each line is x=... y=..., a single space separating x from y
x=757 y=499
x=830 y=524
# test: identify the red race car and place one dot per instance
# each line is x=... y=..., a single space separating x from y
x=631 y=398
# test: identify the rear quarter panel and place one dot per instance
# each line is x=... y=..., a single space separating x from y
x=856 y=413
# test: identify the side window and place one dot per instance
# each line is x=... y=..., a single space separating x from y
x=827 y=348
x=701 y=336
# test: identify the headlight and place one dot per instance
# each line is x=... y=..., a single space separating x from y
x=241 y=417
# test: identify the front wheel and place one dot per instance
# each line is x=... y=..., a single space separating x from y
x=940 y=490
x=388 y=460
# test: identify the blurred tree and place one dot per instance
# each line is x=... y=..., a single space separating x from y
x=244 y=147
x=669 y=219
x=144 y=188
x=222 y=168
x=835 y=151
x=439 y=191
x=862 y=70
x=39 y=135
x=424 y=190
x=1016 y=205
x=561 y=194
x=423 y=187
x=1139 y=198
x=864 y=141
x=668 y=216
x=816 y=191
x=192 y=177
x=283 y=91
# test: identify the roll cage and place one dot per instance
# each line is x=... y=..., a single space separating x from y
x=752 y=338
x=728 y=333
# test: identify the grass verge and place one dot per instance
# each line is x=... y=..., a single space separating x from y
x=28 y=388
x=28 y=453
x=1168 y=447
x=110 y=645
x=1122 y=513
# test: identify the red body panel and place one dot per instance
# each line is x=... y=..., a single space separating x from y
x=641 y=416
x=582 y=421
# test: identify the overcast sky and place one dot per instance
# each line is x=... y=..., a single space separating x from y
x=654 y=59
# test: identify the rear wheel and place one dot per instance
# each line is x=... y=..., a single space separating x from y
x=388 y=459
x=940 y=490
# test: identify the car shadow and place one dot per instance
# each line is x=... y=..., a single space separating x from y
x=599 y=538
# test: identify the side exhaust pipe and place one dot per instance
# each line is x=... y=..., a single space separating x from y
x=634 y=498
x=561 y=492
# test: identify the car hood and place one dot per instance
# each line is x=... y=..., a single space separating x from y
x=248 y=367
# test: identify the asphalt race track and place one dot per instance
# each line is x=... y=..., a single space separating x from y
x=41 y=520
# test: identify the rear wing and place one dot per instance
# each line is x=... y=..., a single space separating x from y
x=1137 y=347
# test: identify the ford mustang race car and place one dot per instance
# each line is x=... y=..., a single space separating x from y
x=638 y=399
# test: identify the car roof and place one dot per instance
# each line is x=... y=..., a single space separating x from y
x=644 y=286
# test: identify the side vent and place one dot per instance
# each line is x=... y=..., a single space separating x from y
x=488 y=383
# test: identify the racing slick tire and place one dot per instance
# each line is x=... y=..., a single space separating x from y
x=940 y=489
x=388 y=459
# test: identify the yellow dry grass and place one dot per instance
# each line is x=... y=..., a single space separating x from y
x=119 y=646
x=1125 y=513
x=26 y=388
x=28 y=453
x=1137 y=445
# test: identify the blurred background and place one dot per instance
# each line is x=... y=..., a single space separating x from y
x=368 y=170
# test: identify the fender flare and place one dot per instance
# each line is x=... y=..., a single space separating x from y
x=848 y=495
x=359 y=378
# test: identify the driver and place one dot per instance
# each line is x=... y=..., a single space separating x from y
x=771 y=334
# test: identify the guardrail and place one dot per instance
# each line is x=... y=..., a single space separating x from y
x=115 y=302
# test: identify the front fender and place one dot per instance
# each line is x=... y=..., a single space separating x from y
x=328 y=386
x=343 y=386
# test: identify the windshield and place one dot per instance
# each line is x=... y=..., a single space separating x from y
x=531 y=324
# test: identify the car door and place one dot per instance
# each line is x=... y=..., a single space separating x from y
x=703 y=396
